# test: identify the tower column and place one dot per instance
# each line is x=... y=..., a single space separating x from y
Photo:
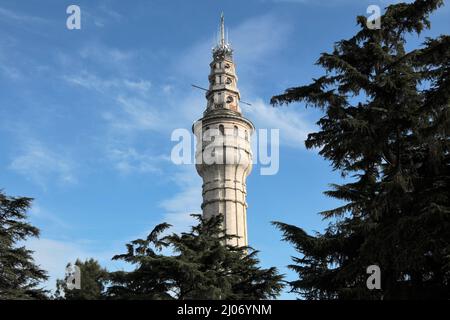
x=223 y=151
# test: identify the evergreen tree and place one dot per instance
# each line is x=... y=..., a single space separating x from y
x=19 y=275
x=386 y=125
x=201 y=266
x=93 y=278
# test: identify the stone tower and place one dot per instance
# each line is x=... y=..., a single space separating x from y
x=223 y=152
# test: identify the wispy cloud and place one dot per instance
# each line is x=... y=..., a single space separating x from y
x=293 y=125
x=185 y=201
x=138 y=114
x=51 y=220
x=104 y=85
x=129 y=161
x=258 y=38
x=104 y=54
x=11 y=16
x=9 y=67
x=101 y=16
x=40 y=164
x=54 y=255
x=132 y=106
x=10 y=71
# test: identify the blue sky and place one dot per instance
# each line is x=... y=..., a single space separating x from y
x=86 y=115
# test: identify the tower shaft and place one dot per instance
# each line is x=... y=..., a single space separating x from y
x=223 y=151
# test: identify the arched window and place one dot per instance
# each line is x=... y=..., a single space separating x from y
x=221 y=129
x=236 y=131
x=246 y=135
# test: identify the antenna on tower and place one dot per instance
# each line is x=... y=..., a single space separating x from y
x=222 y=45
x=222 y=30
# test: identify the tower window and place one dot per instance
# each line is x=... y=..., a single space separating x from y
x=221 y=129
x=229 y=81
x=230 y=99
x=236 y=131
x=246 y=135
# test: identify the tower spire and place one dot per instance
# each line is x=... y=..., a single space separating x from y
x=222 y=30
x=222 y=46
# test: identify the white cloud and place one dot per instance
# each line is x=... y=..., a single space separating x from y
x=140 y=85
x=39 y=213
x=13 y=64
x=110 y=13
x=9 y=15
x=167 y=89
x=40 y=164
x=292 y=124
x=107 y=85
x=54 y=255
x=135 y=114
x=106 y=55
x=130 y=102
x=101 y=16
x=258 y=38
x=185 y=201
x=131 y=161
x=10 y=71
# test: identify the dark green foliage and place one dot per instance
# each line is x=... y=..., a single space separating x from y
x=19 y=275
x=386 y=125
x=201 y=266
x=94 y=279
